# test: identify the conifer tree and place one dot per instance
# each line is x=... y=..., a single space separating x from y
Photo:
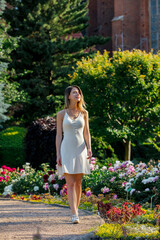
x=3 y=107
x=47 y=48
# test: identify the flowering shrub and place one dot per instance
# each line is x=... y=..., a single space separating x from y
x=121 y=214
x=140 y=182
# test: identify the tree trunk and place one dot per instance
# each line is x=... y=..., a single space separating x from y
x=127 y=146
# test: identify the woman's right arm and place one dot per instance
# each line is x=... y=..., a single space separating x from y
x=59 y=137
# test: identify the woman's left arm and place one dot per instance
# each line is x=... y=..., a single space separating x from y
x=87 y=135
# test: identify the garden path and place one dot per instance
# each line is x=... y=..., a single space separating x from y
x=20 y=220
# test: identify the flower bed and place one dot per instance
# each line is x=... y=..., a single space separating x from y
x=125 y=195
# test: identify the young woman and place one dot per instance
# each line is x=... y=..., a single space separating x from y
x=74 y=151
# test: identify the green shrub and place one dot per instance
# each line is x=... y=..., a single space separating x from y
x=12 y=151
x=40 y=142
x=133 y=231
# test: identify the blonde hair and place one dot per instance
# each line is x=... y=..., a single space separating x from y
x=81 y=104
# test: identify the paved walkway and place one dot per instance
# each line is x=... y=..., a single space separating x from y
x=19 y=220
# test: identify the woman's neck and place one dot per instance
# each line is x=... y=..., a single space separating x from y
x=73 y=107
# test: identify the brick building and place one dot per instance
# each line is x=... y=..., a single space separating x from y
x=130 y=23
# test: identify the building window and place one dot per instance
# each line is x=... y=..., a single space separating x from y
x=155 y=24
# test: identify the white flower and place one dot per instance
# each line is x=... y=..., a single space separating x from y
x=132 y=191
x=144 y=171
x=51 y=177
x=138 y=169
x=129 y=163
x=147 y=189
x=104 y=168
x=23 y=175
x=96 y=167
x=131 y=180
x=144 y=181
x=151 y=179
x=121 y=175
x=155 y=170
x=158 y=165
x=139 y=174
x=27 y=163
x=36 y=188
x=8 y=190
x=56 y=186
x=117 y=164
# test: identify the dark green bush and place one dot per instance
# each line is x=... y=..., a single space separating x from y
x=12 y=151
x=40 y=142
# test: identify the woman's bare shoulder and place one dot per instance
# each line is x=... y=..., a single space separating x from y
x=85 y=112
x=61 y=113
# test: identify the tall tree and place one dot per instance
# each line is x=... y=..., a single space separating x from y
x=48 y=48
x=3 y=107
x=123 y=95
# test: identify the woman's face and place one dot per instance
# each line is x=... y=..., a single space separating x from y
x=74 y=95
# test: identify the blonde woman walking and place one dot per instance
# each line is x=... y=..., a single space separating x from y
x=74 y=150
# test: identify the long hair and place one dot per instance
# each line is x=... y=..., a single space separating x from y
x=81 y=104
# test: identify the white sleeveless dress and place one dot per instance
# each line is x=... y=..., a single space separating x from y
x=73 y=148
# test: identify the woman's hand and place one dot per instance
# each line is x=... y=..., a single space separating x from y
x=59 y=161
x=89 y=153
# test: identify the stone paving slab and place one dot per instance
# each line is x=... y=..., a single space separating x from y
x=20 y=220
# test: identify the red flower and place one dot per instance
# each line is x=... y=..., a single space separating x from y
x=3 y=172
x=110 y=164
x=14 y=169
x=45 y=177
x=4 y=167
x=53 y=181
x=50 y=172
x=7 y=178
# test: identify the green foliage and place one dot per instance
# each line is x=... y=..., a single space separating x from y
x=3 y=107
x=148 y=217
x=12 y=147
x=47 y=49
x=102 y=150
x=133 y=231
x=122 y=93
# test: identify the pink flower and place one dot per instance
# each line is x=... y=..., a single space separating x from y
x=115 y=196
x=91 y=166
x=1 y=178
x=3 y=172
x=104 y=190
x=7 y=178
x=111 y=169
x=9 y=169
x=46 y=186
x=88 y=193
x=130 y=170
x=14 y=169
x=123 y=184
x=112 y=179
x=4 y=167
x=110 y=164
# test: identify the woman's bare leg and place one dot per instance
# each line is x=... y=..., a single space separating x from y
x=78 y=188
x=71 y=192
